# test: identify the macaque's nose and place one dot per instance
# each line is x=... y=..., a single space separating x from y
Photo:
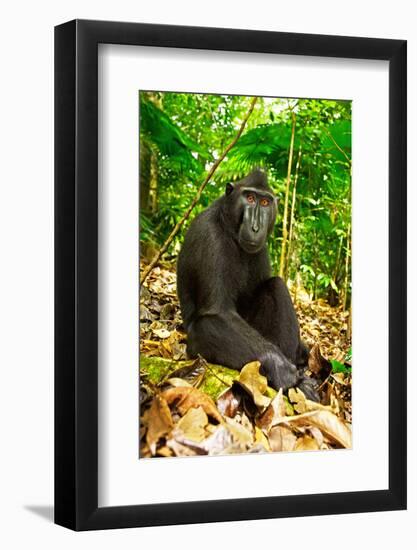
x=255 y=223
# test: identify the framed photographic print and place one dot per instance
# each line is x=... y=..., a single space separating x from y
x=230 y=252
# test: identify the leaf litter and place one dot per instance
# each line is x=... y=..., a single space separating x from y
x=179 y=419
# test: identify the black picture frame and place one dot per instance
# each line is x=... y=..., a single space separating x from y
x=76 y=272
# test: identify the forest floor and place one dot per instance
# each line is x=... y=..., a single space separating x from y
x=191 y=407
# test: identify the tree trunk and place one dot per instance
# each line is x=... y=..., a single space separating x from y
x=292 y=220
x=346 y=285
x=148 y=166
x=349 y=327
x=282 y=267
x=315 y=266
x=145 y=175
x=153 y=184
x=337 y=263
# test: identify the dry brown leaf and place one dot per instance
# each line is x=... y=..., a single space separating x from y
x=142 y=429
x=218 y=441
x=178 y=383
x=179 y=449
x=333 y=407
x=297 y=398
x=339 y=377
x=281 y=438
x=317 y=364
x=159 y=422
x=165 y=348
x=261 y=438
x=253 y=382
x=306 y=443
x=144 y=451
x=240 y=433
x=179 y=351
x=149 y=343
x=167 y=311
x=331 y=425
x=185 y=398
x=228 y=403
x=246 y=423
x=192 y=424
x=145 y=314
x=161 y=332
x=301 y=404
x=164 y=451
x=318 y=436
x=275 y=410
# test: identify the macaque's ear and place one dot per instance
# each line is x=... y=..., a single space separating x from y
x=229 y=188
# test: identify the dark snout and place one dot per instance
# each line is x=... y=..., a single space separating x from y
x=255 y=221
x=254 y=229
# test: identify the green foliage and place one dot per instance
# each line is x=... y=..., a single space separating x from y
x=337 y=366
x=349 y=355
x=187 y=132
x=340 y=367
x=169 y=138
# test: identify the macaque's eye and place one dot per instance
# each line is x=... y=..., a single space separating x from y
x=251 y=199
x=265 y=202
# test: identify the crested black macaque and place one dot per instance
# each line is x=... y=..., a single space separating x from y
x=233 y=310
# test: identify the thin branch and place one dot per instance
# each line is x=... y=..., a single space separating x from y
x=216 y=376
x=338 y=146
x=287 y=192
x=292 y=215
x=214 y=167
x=346 y=285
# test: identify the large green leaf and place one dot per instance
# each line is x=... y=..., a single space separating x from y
x=264 y=142
x=167 y=136
x=269 y=143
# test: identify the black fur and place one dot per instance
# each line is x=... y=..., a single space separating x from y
x=233 y=310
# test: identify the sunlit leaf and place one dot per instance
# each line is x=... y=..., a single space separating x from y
x=255 y=383
x=160 y=422
x=192 y=424
x=184 y=398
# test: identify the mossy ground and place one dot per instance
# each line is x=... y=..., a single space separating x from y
x=215 y=381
